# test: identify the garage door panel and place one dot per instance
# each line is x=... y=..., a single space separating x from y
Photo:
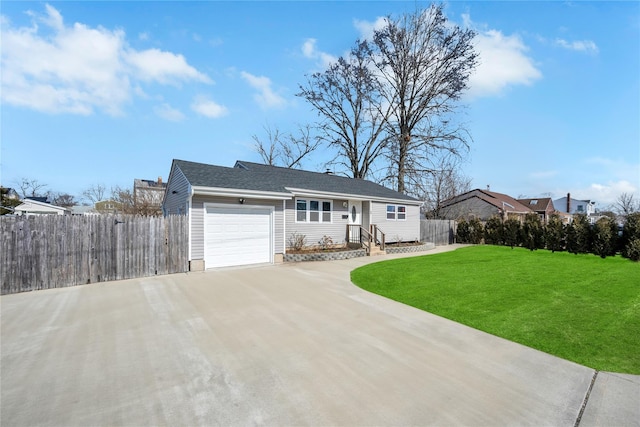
x=237 y=236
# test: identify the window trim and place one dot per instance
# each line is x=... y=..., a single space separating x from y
x=396 y=212
x=320 y=211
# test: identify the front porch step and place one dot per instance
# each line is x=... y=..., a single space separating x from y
x=376 y=251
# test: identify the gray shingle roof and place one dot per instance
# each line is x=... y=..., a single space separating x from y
x=259 y=177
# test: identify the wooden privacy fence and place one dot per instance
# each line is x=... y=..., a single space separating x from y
x=53 y=251
x=438 y=231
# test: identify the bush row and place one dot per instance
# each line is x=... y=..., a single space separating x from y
x=604 y=238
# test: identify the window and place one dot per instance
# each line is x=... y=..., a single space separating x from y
x=301 y=211
x=391 y=212
x=396 y=213
x=313 y=210
x=326 y=211
x=402 y=213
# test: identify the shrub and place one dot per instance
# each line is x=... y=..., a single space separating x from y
x=493 y=231
x=476 y=231
x=532 y=232
x=463 y=232
x=632 y=250
x=603 y=238
x=630 y=232
x=325 y=243
x=555 y=234
x=297 y=241
x=512 y=232
x=579 y=239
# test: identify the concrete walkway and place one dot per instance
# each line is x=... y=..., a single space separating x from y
x=292 y=344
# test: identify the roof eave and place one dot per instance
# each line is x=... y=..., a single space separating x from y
x=302 y=192
x=238 y=192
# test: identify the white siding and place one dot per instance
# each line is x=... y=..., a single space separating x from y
x=314 y=232
x=404 y=231
x=197 y=221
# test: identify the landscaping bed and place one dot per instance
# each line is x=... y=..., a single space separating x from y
x=323 y=254
x=403 y=248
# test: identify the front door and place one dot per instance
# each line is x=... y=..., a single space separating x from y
x=355 y=218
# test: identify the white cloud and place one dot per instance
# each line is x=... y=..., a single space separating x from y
x=605 y=194
x=309 y=50
x=502 y=63
x=205 y=107
x=162 y=67
x=169 y=113
x=77 y=69
x=609 y=179
x=367 y=29
x=586 y=46
x=265 y=97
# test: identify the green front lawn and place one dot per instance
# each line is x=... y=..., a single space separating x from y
x=579 y=307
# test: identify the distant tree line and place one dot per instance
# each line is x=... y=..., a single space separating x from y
x=604 y=238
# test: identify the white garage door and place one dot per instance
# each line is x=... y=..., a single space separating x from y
x=237 y=236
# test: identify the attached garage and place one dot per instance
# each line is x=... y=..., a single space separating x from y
x=238 y=235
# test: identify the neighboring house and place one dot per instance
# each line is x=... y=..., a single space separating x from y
x=250 y=213
x=83 y=210
x=542 y=206
x=148 y=194
x=31 y=206
x=482 y=204
x=10 y=193
x=108 y=207
x=571 y=206
x=9 y=199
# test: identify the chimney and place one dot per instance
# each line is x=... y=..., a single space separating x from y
x=160 y=180
x=568 y=202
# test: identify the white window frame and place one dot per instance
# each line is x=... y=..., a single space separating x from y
x=396 y=212
x=308 y=211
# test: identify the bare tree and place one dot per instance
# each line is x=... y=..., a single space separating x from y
x=61 y=199
x=31 y=188
x=287 y=150
x=144 y=203
x=625 y=204
x=424 y=62
x=352 y=113
x=443 y=182
x=95 y=193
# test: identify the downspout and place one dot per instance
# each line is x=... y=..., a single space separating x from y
x=190 y=201
x=284 y=227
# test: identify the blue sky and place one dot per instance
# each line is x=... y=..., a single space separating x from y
x=106 y=92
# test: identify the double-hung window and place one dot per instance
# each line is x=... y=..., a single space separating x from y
x=313 y=210
x=396 y=213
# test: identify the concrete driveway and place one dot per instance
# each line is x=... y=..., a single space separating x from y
x=292 y=344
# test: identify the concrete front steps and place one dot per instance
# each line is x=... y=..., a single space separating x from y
x=375 y=250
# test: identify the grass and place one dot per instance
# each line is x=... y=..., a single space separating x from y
x=579 y=307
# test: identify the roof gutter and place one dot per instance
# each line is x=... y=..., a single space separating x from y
x=326 y=194
x=237 y=192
